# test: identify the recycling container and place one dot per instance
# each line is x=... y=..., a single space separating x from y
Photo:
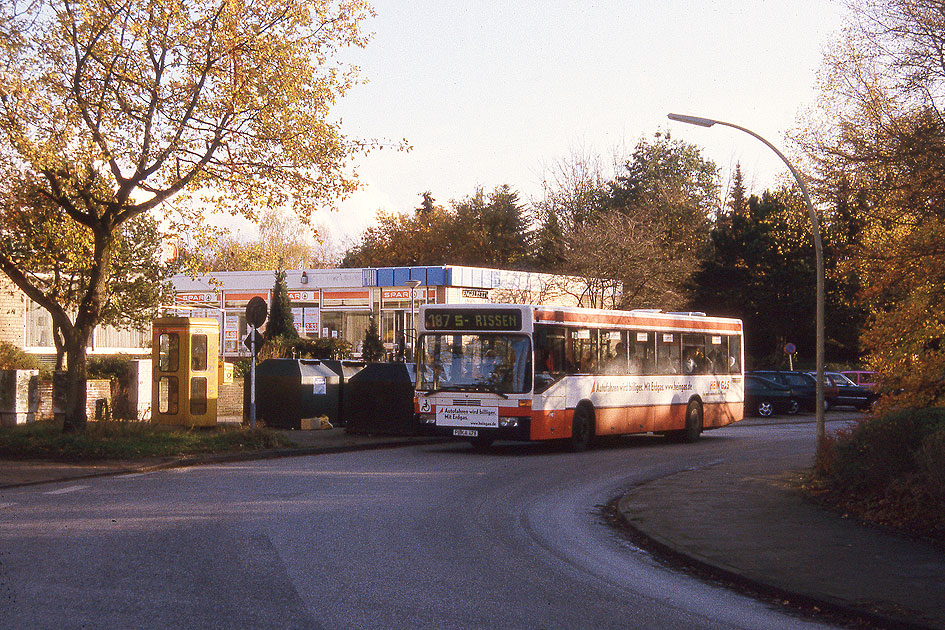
x=379 y=400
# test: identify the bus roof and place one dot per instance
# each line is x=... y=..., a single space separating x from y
x=642 y=318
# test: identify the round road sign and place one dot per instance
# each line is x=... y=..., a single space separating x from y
x=790 y=348
x=256 y=312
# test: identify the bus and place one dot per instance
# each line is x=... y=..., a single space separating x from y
x=489 y=372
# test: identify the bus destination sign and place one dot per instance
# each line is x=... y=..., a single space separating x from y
x=473 y=319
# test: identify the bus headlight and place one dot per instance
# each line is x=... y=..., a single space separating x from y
x=427 y=418
x=508 y=423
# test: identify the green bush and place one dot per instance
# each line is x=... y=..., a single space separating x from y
x=879 y=450
x=931 y=463
x=889 y=470
x=321 y=348
x=12 y=358
x=241 y=368
x=110 y=367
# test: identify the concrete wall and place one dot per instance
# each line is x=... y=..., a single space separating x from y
x=18 y=396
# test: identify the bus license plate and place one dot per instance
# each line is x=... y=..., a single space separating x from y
x=465 y=433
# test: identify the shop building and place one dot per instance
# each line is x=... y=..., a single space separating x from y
x=339 y=303
x=28 y=326
x=335 y=303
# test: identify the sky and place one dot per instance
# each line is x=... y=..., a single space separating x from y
x=492 y=93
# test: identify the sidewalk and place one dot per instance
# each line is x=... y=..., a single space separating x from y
x=743 y=520
x=29 y=472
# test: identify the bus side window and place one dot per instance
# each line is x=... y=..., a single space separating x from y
x=667 y=353
x=734 y=354
x=549 y=349
x=614 y=352
x=694 y=358
x=582 y=351
x=641 y=352
x=718 y=353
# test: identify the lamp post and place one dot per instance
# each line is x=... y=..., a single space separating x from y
x=818 y=250
x=413 y=284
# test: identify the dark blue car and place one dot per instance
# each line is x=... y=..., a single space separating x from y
x=766 y=398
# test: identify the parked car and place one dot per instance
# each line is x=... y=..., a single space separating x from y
x=849 y=393
x=863 y=378
x=804 y=386
x=765 y=398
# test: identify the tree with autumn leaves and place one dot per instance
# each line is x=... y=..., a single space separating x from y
x=55 y=254
x=483 y=229
x=109 y=112
x=877 y=148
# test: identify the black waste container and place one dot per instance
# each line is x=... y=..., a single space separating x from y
x=345 y=370
x=379 y=400
x=288 y=390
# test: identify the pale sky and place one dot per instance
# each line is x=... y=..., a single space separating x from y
x=491 y=93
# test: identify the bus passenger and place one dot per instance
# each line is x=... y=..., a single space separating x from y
x=636 y=362
x=617 y=364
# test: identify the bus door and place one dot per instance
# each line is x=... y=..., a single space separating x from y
x=549 y=405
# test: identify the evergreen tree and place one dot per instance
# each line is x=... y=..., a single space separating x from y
x=737 y=201
x=281 y=322
x=372 y=349
x=427 y=206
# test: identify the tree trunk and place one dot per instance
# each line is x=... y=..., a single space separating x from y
x=76 y=392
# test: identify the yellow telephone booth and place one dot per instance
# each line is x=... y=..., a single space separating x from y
x=184 y=353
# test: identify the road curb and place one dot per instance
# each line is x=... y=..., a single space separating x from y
x=665 y=550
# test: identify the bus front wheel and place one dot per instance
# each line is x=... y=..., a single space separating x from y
x=582 y=429
x=482 y=444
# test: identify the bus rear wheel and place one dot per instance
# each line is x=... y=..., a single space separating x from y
x=693 y=424
x=582 y=429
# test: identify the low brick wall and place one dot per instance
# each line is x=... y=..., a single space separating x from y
x=229 y=402
x=95 y=389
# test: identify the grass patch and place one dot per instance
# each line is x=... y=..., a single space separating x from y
x=889 y=471
x=130 y=440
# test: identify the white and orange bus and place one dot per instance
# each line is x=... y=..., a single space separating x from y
x=524 y=372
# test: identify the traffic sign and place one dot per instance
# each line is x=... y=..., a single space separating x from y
x=790 y=348
x=253 y=338
x=256 y=312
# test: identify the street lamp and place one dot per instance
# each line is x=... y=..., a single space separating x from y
x=413 y=284
x=818 y=250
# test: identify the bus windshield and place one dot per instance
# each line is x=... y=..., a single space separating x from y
x=499 y=363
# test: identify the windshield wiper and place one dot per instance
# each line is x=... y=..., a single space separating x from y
x=449 y=388
x=476 y=387
x=495 y=390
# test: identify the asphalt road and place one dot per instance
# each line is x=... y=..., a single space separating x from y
x=420 y=537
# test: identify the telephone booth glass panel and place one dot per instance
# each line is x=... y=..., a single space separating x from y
x=168 y=358
x=198 y=353
x=167 y=395
x=198 y=395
